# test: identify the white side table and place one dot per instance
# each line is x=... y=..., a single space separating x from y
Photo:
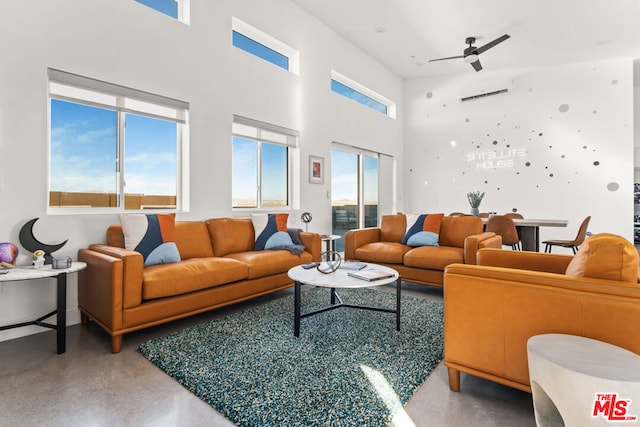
x=30 y=273
x=578 y=381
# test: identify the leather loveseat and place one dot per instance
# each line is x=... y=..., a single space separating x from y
x=493 y=308
x=218 y=267
x=459 y=240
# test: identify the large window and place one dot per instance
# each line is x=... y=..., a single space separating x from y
x=177 y=9
x=262 y=164
x=262 y=45
x=113 y=147
x=355 y=91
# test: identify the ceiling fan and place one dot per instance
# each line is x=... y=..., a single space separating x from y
x=470 y=54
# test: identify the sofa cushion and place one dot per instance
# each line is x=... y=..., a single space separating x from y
x=392 y=228
x=190 y=275
x=605 y=256
x=455 y=229
x=270 y=231
x=433 y=258
x=230 y=235
x=152 y=235
x=267 y=263
x=422 y=230
x=383 y=252
x=192 y=239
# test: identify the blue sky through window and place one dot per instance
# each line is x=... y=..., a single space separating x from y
x=353 y=94
x=84 y=151
x=168 y=7
x=253 y=47
x=83 y=148
x=274 y=170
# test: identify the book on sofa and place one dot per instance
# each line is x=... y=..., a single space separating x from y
x=370 y=275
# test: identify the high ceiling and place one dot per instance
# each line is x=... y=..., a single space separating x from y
x=405 y=34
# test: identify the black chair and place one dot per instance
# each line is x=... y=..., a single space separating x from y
x=573 y=244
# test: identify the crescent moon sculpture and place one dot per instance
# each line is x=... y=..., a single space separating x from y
x=30 y=243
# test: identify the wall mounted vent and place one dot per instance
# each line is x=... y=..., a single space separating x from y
x=485 y=89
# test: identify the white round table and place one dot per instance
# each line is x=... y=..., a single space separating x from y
x=340 y=279
x=578 y=381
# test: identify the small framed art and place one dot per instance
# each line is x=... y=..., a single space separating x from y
x=316 y=170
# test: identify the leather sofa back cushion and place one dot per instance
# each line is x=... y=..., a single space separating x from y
x=392 y=228
x=231 y=235
x=455 y=229
x=605 y=256
x=192 y=239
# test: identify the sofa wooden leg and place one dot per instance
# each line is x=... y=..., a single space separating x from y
x=84 y=319
x=454 y=379
x=116 y=343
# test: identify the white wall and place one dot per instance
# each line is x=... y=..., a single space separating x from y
x=562 y=120
x=123 y=42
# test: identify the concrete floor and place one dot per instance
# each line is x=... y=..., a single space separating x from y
x=89 y=386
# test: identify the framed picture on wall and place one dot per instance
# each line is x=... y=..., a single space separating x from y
x=316 y=170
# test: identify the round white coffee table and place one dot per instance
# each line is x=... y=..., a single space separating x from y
x=341 y=279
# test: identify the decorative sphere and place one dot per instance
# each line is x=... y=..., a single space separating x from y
x=306 y=217
x=8 y=253
x=329 y=262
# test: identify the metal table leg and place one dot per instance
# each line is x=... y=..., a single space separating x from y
x=61 y=315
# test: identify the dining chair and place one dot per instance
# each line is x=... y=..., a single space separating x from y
x=573 y=244
x=505 y=227
x=513 y=215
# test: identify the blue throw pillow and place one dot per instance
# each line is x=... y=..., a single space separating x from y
x=422 y=230
x=271 y=231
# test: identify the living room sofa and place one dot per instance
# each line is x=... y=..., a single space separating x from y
x=218 y=267
x=491 y=309
x=459 y=240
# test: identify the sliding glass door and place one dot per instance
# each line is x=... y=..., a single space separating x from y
x=354 y=190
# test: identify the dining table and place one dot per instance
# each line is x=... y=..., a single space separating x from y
x=529 y=230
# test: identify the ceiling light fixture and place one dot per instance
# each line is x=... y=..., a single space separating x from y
x=471 y=58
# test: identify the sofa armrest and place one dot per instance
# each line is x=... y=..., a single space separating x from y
x=132 y=272
x=475 y=242
x=353 y=239
x=312 y=243
x=523 y=260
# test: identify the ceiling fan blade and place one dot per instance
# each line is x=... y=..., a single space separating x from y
x=476 y=65
x=492 y=44
x=444 y=59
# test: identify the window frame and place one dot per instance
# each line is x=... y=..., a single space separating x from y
x=365 y=92
x=123 y=100
x=270 y=42
x=293 y=167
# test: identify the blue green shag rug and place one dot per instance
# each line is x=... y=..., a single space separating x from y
x=349 y=367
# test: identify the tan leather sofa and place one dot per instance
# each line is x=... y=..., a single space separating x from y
x=218 y=267
x=460 y=239
x=493 y=308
